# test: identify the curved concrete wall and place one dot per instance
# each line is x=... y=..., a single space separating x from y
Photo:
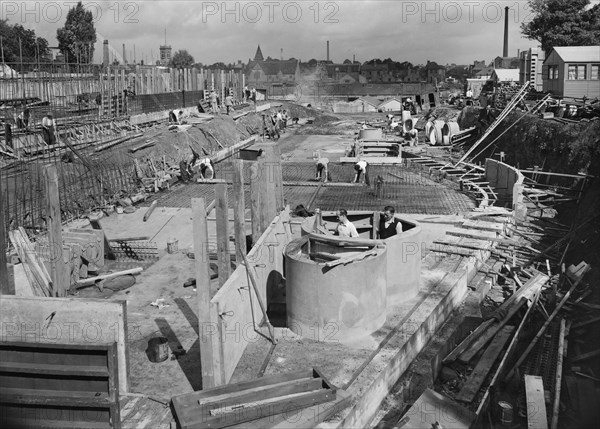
x=403 y=257
x=404 y=263
x=341 y=303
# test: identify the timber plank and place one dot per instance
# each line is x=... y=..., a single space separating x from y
x=536 y=402
x=483 y=367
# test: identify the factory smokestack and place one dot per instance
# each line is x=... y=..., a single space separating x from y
x=328 y=50
x=105 y=53
x=353 y=58
x=505 y=50
x=124 y=55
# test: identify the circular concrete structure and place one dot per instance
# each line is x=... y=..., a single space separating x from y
x=330 y=299
x=404 y=263
x=403 y=251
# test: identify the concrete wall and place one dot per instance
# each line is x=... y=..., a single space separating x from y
x=339 y=303
x=68 y=321
x=404 y=263
x=235 y=307
x=502 y=177
x=403 y=255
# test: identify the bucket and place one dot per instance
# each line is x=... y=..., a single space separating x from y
x=158 y=349
x=506 y=413
x=172 y=245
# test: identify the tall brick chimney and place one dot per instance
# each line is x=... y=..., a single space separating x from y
x=328 y=50
x=505 y=50
x=105 y=60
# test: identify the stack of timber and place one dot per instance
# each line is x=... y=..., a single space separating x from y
x=35 y=270
x=262 y=403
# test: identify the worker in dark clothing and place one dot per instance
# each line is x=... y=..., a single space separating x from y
x=388 y=224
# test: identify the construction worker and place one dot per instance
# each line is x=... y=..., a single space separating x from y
x=322 y=170
x=229 y=103
x=360 y=168
x=205 y=167
x=388 y=224
x=23 y=119
x=176 y=116
x=48 y=129
x=345 y=228
x=214 y=102
x=411 y=137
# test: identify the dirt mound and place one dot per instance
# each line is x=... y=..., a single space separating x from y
x=551 y=145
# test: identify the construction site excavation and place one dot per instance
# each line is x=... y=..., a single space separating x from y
x=282 y=244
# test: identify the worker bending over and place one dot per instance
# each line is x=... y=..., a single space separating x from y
x=360 y=168
x=205 y=167
x=176 y=116
x=388 y=224
x=322 y=169
x=345 y=228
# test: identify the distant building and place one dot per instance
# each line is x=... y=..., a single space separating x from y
x=505 y=76
x=390 y=105
x=435 y=73
x=369 y=104
x=272 y=76
x=530 y=68
x=344 y=73
x=376 y=73
x=165 y=55
x=572 y=72
x=477 y=67
x=484 y=73
x=506 y=62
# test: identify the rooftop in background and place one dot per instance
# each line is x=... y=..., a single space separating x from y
x=578 y=53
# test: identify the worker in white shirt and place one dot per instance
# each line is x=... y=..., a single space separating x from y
x=48 y=129
x=205 y=167
x=176 y=116
x=360 y=168
x=345 y=228
x=388 y=224
x=322 y=169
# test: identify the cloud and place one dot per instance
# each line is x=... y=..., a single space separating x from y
x=444 y=31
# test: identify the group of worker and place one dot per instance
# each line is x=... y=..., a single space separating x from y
x=388 y=225
x=360 y=171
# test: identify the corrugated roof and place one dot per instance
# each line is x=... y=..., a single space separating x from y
x=506 y=75
x=578 y=53
x=371 y=100
x=384 y=102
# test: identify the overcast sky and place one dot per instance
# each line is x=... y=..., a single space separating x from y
x=416 y=31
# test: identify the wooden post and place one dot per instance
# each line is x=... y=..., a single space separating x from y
x=5 y=288
x=274 y=176
x=222 y=86
x=266 y=179
x=239 y=211
x=55 y=242
x=201 y=261
x=222 y=216
x=255 y=202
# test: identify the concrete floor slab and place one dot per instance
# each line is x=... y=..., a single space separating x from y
x=164 y=223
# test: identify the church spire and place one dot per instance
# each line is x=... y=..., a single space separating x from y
x=258 y=56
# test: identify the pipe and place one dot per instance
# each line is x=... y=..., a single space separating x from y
x=448 y=130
